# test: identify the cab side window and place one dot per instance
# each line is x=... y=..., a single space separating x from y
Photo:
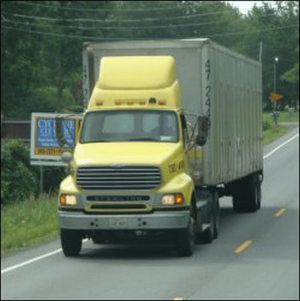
x=184 y=130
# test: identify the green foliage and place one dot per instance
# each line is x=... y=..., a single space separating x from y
x=28 y=223
x=53 y=175
x=266 y=125
x=18 y=181
x=273 y=133
x=291 y=75
x=75 y=109
x=41 y=42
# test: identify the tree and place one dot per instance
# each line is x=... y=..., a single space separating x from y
x=41 y=41
x=269 y=25
x=18 y=59
x=41 y=46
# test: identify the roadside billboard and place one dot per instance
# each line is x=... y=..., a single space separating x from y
x=44 y=146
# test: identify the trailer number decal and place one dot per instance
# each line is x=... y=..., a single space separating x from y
x=208 y=90
x=207 y=70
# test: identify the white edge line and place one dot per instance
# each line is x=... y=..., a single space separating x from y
x=34 y=259
x=30 y=261
x=280 y=146
x=59 y=250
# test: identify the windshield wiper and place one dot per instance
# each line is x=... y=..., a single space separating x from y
x=143 y=139
x=96 y=140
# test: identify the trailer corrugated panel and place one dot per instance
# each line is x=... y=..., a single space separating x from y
x=234 y=147
x=215 y=82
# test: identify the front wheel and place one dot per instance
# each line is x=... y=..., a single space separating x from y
x=71 y=242
x=186 y=237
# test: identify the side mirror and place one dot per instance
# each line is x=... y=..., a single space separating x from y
x=59 y=132
x=66 y=157
x=200 y=140
x=203 y=126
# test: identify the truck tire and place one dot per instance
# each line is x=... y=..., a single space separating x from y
x=185 y=240
x=258 y=191
x=216 y=214
x=212 y=219
x=253 y=197
x=206 y=237
x=247 y=195
x=71 y=242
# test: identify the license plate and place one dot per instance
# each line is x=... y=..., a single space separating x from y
x=117 y=223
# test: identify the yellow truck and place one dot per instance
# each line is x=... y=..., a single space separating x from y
x=169 y=128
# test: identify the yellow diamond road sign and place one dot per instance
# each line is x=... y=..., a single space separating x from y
x=274 y=96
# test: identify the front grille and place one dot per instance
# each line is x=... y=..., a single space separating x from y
x=118 y=206
x=118 y=198
x=118 y=178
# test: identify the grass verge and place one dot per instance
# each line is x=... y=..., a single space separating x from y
x=28 y=223
x=272 y=132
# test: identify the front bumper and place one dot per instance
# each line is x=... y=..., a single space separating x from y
x=156 y=220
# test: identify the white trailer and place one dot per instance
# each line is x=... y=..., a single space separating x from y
x=216 y=82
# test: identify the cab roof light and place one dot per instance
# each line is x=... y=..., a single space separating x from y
x=162 y=102
x=152 y=100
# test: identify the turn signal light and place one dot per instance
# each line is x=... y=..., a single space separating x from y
x=179 y=199
x=172 y=199
x=65 y=199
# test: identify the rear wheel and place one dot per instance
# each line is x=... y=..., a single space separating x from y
x=71 y=242
x=216 y=214
x=247 y=194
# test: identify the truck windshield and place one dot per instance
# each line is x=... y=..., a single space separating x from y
x=129 y=125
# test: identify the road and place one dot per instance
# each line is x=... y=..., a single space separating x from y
x=256 y=256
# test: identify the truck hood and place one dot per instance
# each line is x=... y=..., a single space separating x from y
x=125 y=153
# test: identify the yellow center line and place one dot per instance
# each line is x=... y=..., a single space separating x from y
x=280 y=212
x=243 y=247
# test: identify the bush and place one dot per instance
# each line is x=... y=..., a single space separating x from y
x=18 y=180
x=266 y=125
x=53 y=175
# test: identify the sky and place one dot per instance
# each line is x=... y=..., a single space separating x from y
x=244 y=6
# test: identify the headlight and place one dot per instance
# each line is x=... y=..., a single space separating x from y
x=66 y=199
x=172 y=199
